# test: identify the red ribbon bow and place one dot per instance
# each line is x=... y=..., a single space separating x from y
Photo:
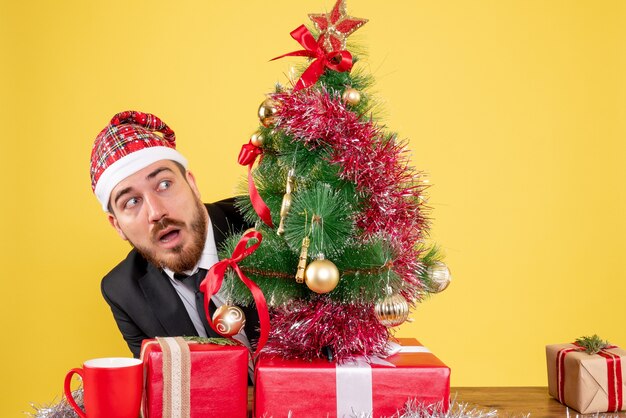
x=215 y=276
x=247 y=156
x=335 y=60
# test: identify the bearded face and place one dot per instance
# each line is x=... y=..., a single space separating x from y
x=159 y=211
x=178 y=258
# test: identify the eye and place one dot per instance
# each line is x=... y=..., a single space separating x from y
x=130 y=203
x=164 y=185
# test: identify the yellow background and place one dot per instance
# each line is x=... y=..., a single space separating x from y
x=516 y=109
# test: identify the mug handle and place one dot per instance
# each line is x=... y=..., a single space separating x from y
x=68 y=391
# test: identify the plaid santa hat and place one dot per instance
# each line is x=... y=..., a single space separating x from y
x=130 y=142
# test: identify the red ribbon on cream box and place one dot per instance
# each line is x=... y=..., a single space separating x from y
x=589 y=383
x=187 y=379
x=362 y=386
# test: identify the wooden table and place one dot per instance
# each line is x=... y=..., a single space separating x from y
x=510 y=402
x=516 y=401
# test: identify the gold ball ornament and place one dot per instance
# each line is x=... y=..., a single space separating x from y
x=321 y=276
x=229 y=320
x=439 y=276
x=351 y=96
x=392 y=310
x=257 y=139
x=267 y=112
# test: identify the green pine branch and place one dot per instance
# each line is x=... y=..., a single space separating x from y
x=211 y=340
x=593 y=344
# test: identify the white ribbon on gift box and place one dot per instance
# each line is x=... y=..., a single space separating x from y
x=177 y=390
x=354 y=380
x=176 y=377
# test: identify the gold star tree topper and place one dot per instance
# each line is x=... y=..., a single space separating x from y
x=335 y=27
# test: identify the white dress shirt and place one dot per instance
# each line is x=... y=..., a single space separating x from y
x=187 y=292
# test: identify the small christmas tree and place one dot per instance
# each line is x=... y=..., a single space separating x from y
x=341 y=212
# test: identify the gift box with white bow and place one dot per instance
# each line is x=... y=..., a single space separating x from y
x=375 y=386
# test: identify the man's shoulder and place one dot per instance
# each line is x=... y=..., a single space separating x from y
x=225 y=207
x=133 y=267
x=227 y=217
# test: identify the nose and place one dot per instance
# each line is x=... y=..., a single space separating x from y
x=155 y=207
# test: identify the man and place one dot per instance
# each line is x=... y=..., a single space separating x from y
x=152 y=201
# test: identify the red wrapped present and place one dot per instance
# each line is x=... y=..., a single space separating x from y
x=379 y=387
x=188 y=379
x=589 y=383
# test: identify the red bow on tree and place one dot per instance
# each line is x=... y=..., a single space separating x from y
x=215 y=276
x=335 y=60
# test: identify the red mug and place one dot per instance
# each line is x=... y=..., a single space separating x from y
x=112 y=388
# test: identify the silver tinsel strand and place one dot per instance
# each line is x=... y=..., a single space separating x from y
x=61 y=409
x=411 y=409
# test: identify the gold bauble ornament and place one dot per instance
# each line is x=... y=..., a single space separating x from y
x=229 y=320
x=267 y=112
x=351 y=96
x=439 y=276
x=392 y=310
x=321 y=275
x=257 y=139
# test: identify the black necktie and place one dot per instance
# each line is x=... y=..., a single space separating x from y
x=194 y=281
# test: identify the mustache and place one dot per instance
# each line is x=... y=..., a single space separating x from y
x=163 y=224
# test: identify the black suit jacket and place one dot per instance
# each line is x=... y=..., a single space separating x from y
x=144 y=302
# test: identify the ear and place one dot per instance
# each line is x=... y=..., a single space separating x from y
x=192 y=183
x=115 y=224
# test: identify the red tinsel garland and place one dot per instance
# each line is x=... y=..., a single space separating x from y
x=304 y=329
x=375 y=162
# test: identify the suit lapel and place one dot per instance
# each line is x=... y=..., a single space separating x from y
x=165 y=303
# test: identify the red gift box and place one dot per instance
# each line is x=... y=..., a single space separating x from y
x=324 y=389
x=208 y=380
